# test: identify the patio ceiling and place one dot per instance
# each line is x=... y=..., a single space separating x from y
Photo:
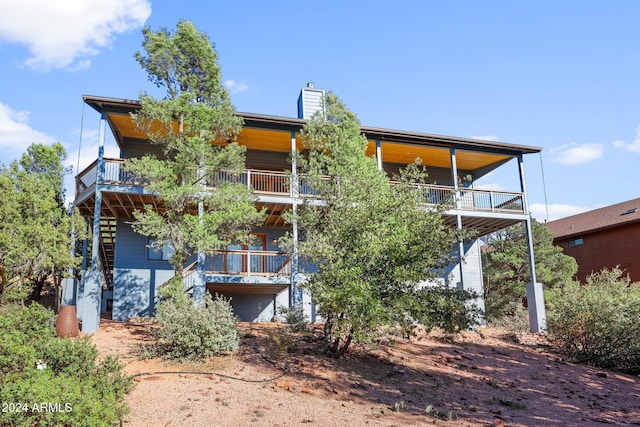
x=280 y=141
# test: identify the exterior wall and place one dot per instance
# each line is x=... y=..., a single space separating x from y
x=472 y=266
x=272 y=234
x=608 y=248
x=440 y=176
x=257 y=308
x=273 y=160
x=135 y=278
x=135 y=148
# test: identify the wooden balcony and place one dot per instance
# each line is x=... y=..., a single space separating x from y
x=248 y=263
x=279 y=184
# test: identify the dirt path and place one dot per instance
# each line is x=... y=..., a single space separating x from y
x=479 y=379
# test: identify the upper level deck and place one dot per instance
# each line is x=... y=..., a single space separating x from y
x=271 y=140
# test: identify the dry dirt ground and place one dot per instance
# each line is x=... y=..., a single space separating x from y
x=484 y=378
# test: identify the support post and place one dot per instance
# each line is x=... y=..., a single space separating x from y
x=379 y=153
x=92 y=288
x=295 y=291
x=535 y=296
x=454 y=177
x=295 y=184
x=199 y=284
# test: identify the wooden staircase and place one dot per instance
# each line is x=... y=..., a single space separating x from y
x=107 y=248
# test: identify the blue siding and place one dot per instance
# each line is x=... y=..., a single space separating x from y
x=472 y=267
x=135 y=278
x=257 y=308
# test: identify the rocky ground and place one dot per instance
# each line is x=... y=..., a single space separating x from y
x=485 y=378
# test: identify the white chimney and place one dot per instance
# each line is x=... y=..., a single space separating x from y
x=310 y=101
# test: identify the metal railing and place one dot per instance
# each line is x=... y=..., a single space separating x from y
x=114 y=173
x=491 y=201
x=277 y=183
x=260 y=181
x=249 y=263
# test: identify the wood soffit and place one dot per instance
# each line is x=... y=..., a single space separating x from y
x=272 y=133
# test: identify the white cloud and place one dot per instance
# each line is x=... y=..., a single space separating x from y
x=16 y=134
x=618 y=144
x=235 y=87
x=486 y=138
x=633 y=146
x=556 y=211
x=574 y=154
x=67 y=33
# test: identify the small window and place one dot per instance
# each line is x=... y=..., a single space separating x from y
x=159 y=255
x=575 y=242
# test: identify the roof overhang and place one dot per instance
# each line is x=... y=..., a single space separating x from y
x=273 y=133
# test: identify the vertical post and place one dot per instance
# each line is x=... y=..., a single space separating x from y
x=79 y=292
x=95 y=243
x=92 y=289
x=296 y=292
x=379 y=154
x=535 y=296
x=248 y=262
x=456 y=190
x=199 y=284
x=295 y=189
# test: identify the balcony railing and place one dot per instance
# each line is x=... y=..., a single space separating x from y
x=249 y=263
x=474 y=199
x=114 y=173
x=275 y=183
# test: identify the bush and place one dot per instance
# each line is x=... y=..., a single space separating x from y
x=295 y=317
x=598 y=323
x=517 y=321
x=76 y=388
x=24 y=329
x=191 y=332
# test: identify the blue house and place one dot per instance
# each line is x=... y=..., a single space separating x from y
x=121 y=274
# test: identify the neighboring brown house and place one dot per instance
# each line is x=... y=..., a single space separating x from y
x=605 y=237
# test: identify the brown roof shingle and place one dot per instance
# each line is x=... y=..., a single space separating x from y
x=597 y=219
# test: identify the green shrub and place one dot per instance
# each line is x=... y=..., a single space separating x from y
x=24 y=330
x=516 y=321
x=191 y=332
x=598 y=323
x=295 y=317
x=74 y=358
x=71 y=388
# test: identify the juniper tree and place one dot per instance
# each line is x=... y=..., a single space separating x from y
x=35 y=227
x=373 y=243
x=195 y=126
x=506 y=267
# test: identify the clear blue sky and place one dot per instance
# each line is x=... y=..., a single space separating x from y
x=562 y=75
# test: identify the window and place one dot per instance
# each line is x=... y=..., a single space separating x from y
x=575 y=242
x=159 y=255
